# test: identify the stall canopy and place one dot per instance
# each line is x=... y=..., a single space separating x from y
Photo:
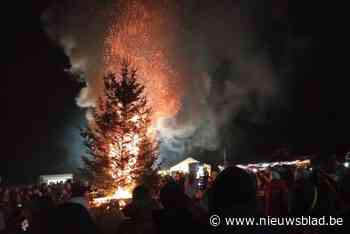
x=184 y=166
x=54 y=179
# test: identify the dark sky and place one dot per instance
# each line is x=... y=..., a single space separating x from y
x=40 y=119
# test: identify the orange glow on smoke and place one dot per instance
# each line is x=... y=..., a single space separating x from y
x=141 y=32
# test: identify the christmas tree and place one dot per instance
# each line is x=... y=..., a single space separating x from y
x=120 y=143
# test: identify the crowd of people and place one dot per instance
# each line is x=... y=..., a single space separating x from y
x=181 y=204
x=22 y=206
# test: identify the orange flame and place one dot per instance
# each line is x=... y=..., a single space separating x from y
x=121 y=194
x=142 y=32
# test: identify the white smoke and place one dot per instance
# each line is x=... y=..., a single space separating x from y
x=210 y=33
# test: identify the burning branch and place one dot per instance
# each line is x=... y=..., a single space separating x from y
x=120 y=145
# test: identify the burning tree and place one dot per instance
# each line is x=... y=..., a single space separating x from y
x=120 y=143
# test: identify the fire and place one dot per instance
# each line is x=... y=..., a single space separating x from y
x=117 y=172
x=142 y=31
x=121 y=195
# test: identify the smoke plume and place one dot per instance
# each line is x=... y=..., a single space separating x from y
x=206 y=56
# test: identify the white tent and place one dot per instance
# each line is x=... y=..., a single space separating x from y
x=54 y=179
x=184 y=166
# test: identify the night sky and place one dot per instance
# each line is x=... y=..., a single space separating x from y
x=40 y=118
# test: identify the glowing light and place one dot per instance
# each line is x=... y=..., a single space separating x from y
x=122 y=203
x=200 y=172
x=142 y=32
x=265 y=165
x=121 y=194
x=135 y=118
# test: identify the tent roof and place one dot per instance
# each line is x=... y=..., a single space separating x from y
x=183 y=163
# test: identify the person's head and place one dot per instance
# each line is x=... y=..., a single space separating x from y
x=38 y=213
x=71 y=218
x=178 y=176
x=68 y=185
x=327 y=161
x=233 y=189
x=141 y=193
x=214 y=174
x=78 y=190
x=172 y=196
x=189 y=179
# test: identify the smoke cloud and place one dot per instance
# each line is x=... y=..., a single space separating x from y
x=211 y=45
